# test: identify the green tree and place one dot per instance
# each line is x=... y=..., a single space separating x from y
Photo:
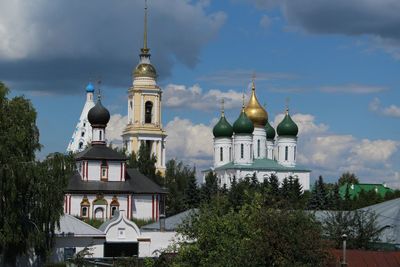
x=210 y=187
x=192 y=193
x=319 y=196
x=145 y=162
x=349 y=178
x=254 y=235
x=31 y=192
x=177 y=177
x=360 y=226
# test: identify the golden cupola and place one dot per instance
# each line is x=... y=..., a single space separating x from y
x=254 y=111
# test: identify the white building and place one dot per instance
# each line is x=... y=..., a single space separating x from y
x=103 y=185
x=82 y=135
x=251 y=147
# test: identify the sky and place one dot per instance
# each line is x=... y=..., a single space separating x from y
x=336 y=64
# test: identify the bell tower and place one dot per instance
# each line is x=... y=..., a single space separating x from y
x=144 y=108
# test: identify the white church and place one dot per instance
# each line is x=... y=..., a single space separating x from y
x=103 y=184
x=252 y=147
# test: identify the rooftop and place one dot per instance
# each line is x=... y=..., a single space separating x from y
x=262 y=164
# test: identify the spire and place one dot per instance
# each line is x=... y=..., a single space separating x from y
x=253 y=87
x=287 y=106
x=222 y=108
x=98 y=90
x=145 y=50
x=243 y=102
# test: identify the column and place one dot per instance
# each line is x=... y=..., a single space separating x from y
x=142 y=110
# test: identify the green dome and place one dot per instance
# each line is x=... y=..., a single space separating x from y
x=243 y=125
x=223 y=128
x=287 y=127
x=270 y=131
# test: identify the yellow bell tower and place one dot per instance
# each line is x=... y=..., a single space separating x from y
x=144 y=109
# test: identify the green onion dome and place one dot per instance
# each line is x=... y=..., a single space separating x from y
x=243 y=125
x=270 y=131
x=287 y=127
x=223 y=128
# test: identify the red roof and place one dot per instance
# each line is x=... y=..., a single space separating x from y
x=366 y=258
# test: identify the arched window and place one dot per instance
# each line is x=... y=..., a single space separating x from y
x=114 y=206
x=241 y=150
x=80 y=145
x=82 y=134
x=148 y=112
x=286 y=152
x=230 y=154
x=99 y=213
x=104 y=171
x=100 y=136
x=258 y=148
x=84 y=211
x=221 y=154
x=294 y=154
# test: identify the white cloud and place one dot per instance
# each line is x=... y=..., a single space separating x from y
x=190 y=142
x=180 y=96
x=305 y=122
x=98 y=36
x=115 y=127
x=391 y=111
x=377 y=151
x=353 y=89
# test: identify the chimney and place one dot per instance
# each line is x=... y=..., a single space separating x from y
x=162 y=223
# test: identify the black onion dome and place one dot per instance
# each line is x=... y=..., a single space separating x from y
x=98 y=115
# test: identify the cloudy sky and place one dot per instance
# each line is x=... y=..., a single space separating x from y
x=336 y=61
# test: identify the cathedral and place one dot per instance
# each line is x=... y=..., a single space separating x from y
x=102 y=184
x=251 y=147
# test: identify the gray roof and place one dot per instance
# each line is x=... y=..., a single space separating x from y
x=262 y=164
x=171 y=223
x=100 y=152
x=135 y=183
x=388 y=216
x=69 y=225
x=104 y=225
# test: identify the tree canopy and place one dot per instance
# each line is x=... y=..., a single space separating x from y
x=31 y=191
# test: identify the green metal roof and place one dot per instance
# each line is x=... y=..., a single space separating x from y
x=262 y=164
x=223 y=128
x=355 y=191
x=243 y=125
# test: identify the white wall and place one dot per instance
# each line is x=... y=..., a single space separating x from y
x=158 y=241
x=247 y=141
x=226 y=145
x=290 y=143
x=259 y=134
x=142 y=206
x=226 y=176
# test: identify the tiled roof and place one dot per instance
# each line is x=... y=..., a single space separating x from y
x=262 y=164
x=363 y=258
x=100 y=152
x=135 y=182
x=69 y=225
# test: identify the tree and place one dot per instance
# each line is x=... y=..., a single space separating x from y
x=145 y=162
x=210 y=187
x=31 y=192
x=360 y=226
x=349 y=178
x=177 y=179
x=192 y=195
x=254 y=235
x=319 y=196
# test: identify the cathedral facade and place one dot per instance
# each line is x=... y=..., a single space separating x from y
x=252 y=147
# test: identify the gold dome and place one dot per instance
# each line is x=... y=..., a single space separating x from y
x=145 y=70
x=254 y=111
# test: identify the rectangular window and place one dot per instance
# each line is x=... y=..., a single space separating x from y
x=294 y=154
x=286 y=152
x=258 y=148
x=221 y=154
x=241 y=150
